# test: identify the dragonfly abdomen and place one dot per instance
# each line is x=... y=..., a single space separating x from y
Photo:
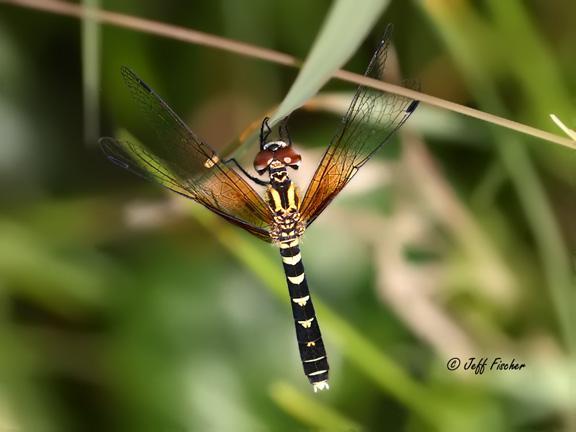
x=310 y=344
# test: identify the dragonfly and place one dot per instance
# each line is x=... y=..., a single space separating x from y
x=182 y=162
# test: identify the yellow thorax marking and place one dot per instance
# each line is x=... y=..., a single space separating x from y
x=293 y=199
x=276 y=200
x=310 y=344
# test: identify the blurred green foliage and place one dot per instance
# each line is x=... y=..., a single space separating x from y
x=122 y=308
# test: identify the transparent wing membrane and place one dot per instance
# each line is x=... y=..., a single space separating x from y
x=371 y=119
x=180 y=161
x=177 y=159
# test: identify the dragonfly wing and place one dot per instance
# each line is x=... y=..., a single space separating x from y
x=182 y=162
x=136 y=159
x=371 y=119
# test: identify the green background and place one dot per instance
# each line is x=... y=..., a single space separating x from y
x=123 y=308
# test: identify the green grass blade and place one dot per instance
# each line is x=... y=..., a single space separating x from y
x=310 y=410
x=38 y=272
x=367 y=357
x=91 y=73
x=346 y=26
x=531 y=62
x=459 y=28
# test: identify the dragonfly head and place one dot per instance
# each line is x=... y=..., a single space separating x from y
x=275 y=154
x=281 y=156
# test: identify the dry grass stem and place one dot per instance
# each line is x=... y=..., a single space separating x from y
x=570 y=132
x=200 y=38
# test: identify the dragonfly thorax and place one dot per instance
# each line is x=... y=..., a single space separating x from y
x=284 y=201
x=279 y=175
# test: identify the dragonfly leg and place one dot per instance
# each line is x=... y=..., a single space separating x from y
x=247 y=174
x=283 y=131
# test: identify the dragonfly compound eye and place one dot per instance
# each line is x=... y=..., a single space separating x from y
x=263 y=160
x=289 y=157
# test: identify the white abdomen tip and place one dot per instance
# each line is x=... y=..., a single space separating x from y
x=321 y=385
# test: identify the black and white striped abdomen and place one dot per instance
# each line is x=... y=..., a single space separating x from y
x=308 y=334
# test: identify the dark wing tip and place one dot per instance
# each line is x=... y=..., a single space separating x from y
x=412 y=107
x=386 y=37
x=112 y=149
x=106 y=143
x=130 y=77
x=378 y=60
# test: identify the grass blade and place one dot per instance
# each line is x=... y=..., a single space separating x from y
x=332 y=48
x=310 y=410
x=91 y=72
x=456 y=26
x=196 y=37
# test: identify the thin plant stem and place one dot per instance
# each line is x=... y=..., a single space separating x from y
x=248 y=50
